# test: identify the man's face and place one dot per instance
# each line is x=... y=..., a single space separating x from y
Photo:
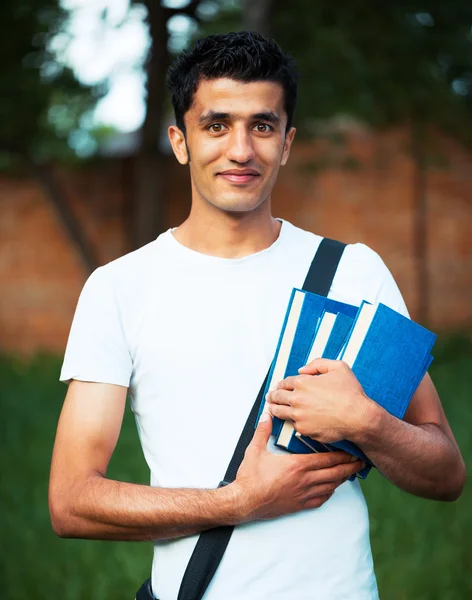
x=235 y=135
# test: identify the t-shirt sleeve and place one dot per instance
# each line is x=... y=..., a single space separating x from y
x=388 y=292
x=97 y=350
x=363 y=275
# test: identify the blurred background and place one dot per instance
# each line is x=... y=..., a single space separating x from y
x=383 y=155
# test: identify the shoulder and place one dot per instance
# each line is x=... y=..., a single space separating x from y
x=366 y=262
x=358 y=257
x=300 y=240
x=363 y=275
x=134 y=264
x=131 y=271
x=123 y=286
x=361 y=271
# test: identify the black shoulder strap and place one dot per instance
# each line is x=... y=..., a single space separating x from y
x=212 y=543
x=323 y=267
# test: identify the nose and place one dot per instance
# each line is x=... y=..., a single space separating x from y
x=240 y=147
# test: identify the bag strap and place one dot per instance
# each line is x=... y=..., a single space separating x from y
x=212 y=543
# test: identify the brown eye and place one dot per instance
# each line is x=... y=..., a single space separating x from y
x=216 y=127
x=262 y=128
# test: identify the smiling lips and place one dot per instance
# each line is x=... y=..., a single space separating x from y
x=239 y=176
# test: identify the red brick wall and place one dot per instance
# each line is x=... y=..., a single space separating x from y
x=363 y=192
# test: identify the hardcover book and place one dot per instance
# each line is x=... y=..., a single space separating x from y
x=329 y=338
x=388 y=353
x=296 y=337
x=328 y=342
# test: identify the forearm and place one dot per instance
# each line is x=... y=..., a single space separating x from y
x=100 y=508
x=419 y=459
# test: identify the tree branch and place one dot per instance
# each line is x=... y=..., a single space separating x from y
x=69 y=222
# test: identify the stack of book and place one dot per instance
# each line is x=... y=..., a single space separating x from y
x=387 y=352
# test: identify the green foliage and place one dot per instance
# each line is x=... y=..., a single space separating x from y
x=228 y=16
x=43 y=104
x=392 y=62
x=421 y=549
x=35 y=564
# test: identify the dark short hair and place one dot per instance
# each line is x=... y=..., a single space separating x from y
x=242 y=56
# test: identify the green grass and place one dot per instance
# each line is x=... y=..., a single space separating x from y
x=422 y=550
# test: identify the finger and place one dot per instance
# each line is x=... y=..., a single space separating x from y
x=279 y=397
x=262 y=431
x=324 y=460
x=319 y=366
x=335 y=475
x=287 y=384
x=281 y=411
x=321 y=489
x=316 y=501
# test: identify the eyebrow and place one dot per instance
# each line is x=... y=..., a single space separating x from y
x=212 y=115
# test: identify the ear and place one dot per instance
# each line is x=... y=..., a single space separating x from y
x=178 y=143
x=287 y=145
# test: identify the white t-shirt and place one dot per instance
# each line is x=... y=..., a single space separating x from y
x=192 y=335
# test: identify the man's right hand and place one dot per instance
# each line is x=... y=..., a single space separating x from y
x=271 y=485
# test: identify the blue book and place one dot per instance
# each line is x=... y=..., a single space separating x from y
x=329 y=338
x=296 y=337
x=341 y=329
x=330 y=334
x=389 y=354
x=295 y=444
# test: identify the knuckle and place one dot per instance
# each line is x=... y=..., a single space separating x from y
x=295 y=468
x=350 y=469
x=305 y=481
x=301 y=427
x=310 y=502
x=339 y=471
x=331 y=458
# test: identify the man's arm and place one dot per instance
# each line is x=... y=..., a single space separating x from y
x=419 y=454
x=85 y=503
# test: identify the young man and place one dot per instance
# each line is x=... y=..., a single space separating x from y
x=189 y=324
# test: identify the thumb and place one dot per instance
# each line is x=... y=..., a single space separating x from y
x=263 y=431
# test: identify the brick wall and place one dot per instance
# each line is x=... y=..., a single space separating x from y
x=361 y=190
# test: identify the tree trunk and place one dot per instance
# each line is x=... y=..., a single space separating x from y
x=420 y=229
x=149 y=215
x=66 y=218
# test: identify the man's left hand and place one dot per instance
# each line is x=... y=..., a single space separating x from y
x=329 y=407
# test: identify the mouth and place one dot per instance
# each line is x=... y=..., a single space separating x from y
x=239 y=176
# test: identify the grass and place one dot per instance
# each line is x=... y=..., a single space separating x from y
x=422 y=550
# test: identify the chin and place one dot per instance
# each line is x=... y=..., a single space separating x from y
x=238 y=205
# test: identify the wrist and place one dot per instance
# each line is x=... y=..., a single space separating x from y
x=368 y=421
x=235 y=503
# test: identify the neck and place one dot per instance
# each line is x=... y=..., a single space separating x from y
x=228 y=235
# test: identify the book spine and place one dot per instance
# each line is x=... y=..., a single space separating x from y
x=272 y=366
